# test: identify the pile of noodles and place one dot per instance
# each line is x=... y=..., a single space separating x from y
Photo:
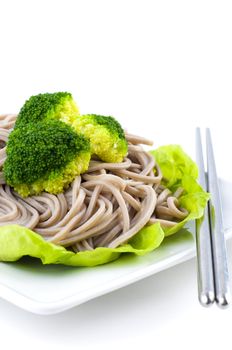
x=104 y=207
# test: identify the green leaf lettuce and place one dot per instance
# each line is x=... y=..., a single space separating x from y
x=178 y=170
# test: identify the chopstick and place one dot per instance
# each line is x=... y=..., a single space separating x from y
x=213 y=276
x=206 y=293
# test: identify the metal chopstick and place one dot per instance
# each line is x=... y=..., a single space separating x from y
x=206 y=293
x=219 y=254
x=213 y=276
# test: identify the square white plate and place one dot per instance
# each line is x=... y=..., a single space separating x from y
x=54 y=288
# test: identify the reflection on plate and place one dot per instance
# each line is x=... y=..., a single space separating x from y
x=54 y=288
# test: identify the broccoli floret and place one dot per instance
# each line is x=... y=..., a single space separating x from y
x=107 y=138
x=59 y=105
x=106 y=135
x=45 y=156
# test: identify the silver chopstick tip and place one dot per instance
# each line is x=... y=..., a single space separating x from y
x=223 y=301
x=206 y=299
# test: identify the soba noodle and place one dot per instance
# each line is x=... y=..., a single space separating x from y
x=104 y=207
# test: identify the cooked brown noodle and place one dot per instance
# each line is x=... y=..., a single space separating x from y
x=104 y=207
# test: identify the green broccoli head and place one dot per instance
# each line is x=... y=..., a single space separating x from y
x=45 y=156
x=107 y=138
x=58 y=105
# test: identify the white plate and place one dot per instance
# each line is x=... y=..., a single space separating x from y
x=52 y=289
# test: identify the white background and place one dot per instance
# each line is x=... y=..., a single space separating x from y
x=161 y=68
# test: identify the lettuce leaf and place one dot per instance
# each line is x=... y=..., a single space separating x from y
x=178 y=170
x=17 y=241
x=174 y=164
